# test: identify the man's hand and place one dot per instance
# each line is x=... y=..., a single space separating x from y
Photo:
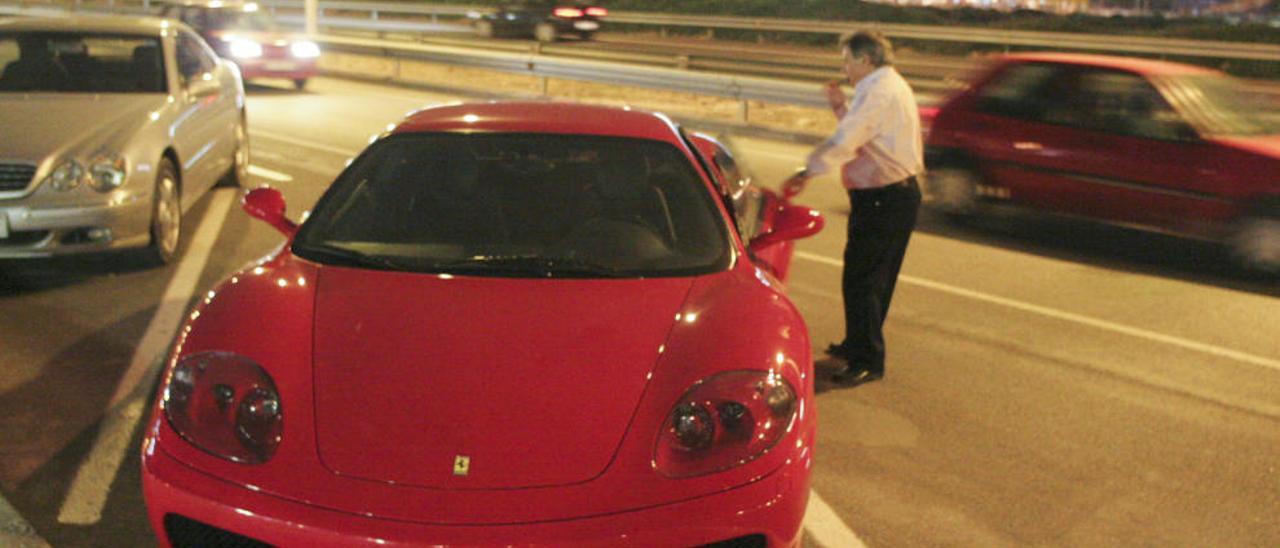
x=794 y=184
x=835 y=95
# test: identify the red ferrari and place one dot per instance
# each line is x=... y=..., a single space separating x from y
x=503 y=324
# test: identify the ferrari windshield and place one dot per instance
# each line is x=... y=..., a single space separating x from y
x=1218 y=105
x=519 y=205
x=80 y=62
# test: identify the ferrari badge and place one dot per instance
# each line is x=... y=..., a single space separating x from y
x=461 y=465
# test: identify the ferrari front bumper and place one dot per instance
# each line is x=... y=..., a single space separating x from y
x=766 y=512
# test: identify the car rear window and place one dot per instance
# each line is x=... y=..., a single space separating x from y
x=80 y=62
x=523 y=205
x=1219 y=105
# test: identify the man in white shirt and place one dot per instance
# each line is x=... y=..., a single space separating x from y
x=880 y=152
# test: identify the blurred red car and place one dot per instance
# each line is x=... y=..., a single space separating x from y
x=544 y=20
x=1150 y=144
x=504 y=323
x=241 y=32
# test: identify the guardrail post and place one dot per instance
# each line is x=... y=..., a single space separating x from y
x=744 y=112
x=311 y=12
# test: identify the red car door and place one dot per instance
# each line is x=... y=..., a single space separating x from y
x=1138 y=162
x=1026 y=158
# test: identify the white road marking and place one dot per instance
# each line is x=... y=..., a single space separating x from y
x=89 y=489
x=1071 y=317
x=826 y=527
x=269 y=174
x=15 y=531
x=796 y=157
x=304 y=142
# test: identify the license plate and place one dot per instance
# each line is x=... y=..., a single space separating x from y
x=586 y=25
x=4 y=225
x=281 y=65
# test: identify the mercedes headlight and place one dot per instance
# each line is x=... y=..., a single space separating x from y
x=107 y=172
x=66 y=176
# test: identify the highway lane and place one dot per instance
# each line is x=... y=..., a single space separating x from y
x=1049 y=382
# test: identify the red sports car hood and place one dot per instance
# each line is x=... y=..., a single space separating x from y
x=482 y=383
x=1265 y=145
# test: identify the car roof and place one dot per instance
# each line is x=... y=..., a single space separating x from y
x=1149 y=67
x=152 y=26
x=542 y=117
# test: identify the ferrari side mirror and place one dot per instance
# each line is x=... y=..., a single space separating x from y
x=791 y=223
x=267 y=204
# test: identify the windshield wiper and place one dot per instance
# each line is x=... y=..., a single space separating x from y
x=341 y=256
x=535 y=265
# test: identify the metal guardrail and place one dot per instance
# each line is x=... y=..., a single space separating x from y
x=388 y=16
x=1050 y=40
x=741 y=88
x=380 y=11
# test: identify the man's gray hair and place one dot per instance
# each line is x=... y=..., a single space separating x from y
x=872 y=44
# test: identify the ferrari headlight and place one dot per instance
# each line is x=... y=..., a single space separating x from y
x=724 y=421
x=244 y=49
x=226 y=405
x=107 y=173
x=66 y=176
x=304 y=49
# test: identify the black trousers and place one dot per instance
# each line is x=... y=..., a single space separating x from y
x=880 y=226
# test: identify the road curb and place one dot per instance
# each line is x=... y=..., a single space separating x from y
x=15 y=531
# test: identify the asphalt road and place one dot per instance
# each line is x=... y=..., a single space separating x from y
x=1049 y=382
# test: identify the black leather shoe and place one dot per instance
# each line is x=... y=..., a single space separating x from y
x=837 y=350
x=854 y=376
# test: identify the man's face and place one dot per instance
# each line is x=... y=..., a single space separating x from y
x=856 y=67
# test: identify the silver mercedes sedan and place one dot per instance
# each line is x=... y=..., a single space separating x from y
x=111 y=128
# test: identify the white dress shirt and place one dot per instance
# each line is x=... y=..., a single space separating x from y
x=878 y=139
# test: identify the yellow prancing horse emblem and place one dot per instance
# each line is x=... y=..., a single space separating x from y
x=461 y=465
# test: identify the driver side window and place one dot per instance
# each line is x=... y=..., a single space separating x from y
x=194 y=58
x=746 y=198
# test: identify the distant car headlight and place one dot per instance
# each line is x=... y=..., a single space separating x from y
x=244 y=49
x=724 y=421
x=107 y=173
x=305 y=49
x=226 y=405
x=66 y=176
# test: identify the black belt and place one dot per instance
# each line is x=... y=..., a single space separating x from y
x=905 y=183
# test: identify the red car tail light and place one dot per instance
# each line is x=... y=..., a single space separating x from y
x=596 y=11
x=226 y=405
x=567 y=13
x=724 y=421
